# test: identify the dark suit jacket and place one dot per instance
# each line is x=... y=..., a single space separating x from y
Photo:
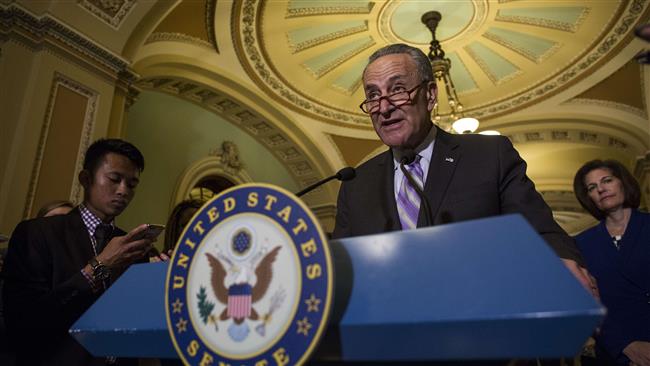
x=470 y=177
x=44 y=290
x=623 y=278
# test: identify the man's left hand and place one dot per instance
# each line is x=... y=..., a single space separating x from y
x=582 y=275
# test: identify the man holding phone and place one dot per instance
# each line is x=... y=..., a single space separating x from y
x=56 y=267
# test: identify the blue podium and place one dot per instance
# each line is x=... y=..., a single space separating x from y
x=482 y=289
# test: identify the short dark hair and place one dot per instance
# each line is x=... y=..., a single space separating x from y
x=53 y=205
x=96 y=152
x=631 y=188
x=423 y=65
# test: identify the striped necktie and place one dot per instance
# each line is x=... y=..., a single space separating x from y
x=408 y=200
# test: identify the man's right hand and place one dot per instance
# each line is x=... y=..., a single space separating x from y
x=124 y=250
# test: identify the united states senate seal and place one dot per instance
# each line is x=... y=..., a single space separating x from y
x=250 y=281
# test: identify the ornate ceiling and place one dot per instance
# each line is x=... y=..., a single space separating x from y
x=557 y=77
x=505 y=55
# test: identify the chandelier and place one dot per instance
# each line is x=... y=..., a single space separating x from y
x=441 y=67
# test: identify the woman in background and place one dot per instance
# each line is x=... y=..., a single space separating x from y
x=617 y=254
x=178 y=219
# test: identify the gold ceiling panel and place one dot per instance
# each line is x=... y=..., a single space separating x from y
x=186 y=18
x=627 y=83
x=309 y=55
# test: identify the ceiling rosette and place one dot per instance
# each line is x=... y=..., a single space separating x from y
x=309 y=55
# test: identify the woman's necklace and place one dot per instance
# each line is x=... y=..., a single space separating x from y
x=616 y=232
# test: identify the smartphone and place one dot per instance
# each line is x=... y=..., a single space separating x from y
x=151 y=232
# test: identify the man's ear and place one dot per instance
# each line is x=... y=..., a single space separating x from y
x=432 y=95
x=85 y=178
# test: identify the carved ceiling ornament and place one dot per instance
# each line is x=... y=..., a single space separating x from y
x=209 y=166
x=229 y=155
x=600 y=139
x=617 y=34
x=111 y=12
x=48 y=33
x=246 y=41
x=177 y=37
x=261 y=58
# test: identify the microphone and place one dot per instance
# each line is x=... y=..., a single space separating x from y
x=407 y=158
x=344 y=174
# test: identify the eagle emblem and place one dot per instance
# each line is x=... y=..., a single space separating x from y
x=250 y=281
x=239 y=284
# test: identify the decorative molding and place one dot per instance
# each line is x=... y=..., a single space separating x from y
x=386 y=31
x=571 y=136
x=608 y=104
x=326 y=38
x=328 y=10
x=111 y=12
x=38 y=32
x=210 y=19
x=521 y=50
x=86 y=135
x=349 y=91
x=228 y=153
x=131 y=96
x=248 y=39
x=288 y=153
x=631 y=15
x=246 y=36
x=177 y=37
x=318 y=73
x=205 y=167
x=546 y=23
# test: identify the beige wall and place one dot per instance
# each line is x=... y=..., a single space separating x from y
x=27 y=78
x=61 y=134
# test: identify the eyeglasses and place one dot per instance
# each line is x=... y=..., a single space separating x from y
x=396 y=99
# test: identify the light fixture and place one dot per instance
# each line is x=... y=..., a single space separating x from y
x=441 y=67
x=465 y=125
x=490 y=132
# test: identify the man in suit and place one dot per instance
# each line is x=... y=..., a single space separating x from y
x=56 y=267
x=463 y=176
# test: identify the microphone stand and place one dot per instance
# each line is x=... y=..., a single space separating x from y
x=311 y=187
x=344 y=174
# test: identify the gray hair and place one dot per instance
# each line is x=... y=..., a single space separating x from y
x=423 y=65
